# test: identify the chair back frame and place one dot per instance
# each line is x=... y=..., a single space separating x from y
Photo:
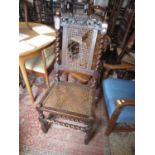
x=84 y=30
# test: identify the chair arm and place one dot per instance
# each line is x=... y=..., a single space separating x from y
x=109 y=67
x=118 y=66
x=125 y=102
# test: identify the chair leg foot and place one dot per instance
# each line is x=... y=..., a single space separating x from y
x=89 y=134
x=44 y=126
x=106 y=133
x=86 y=141
x=88 y=137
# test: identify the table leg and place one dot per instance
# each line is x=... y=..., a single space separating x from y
x=25 y=77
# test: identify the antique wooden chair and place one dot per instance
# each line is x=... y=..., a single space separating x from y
x=126 y=25
x=98 y=9
x=98 y=12
x=114 y=14
x=43 y=11
x=127 y=53
x=30 y=11
x=68 y=100
x=121 y=21
x=119 y=100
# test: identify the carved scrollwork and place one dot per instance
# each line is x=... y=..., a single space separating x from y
x=89 y=21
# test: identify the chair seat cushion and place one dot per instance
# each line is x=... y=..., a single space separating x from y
x=36 y=63
x=70 y=97
x=114 y=89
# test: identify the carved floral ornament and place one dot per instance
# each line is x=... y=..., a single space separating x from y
x=77 y=20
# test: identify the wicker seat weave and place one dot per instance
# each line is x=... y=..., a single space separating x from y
x=62 y=97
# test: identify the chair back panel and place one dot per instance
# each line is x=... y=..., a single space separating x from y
x=78 y=48
x=78 y=44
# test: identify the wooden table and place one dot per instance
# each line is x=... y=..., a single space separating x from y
x=35 y=38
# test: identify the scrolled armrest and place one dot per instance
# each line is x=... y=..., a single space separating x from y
x=111 y=67
x=118 y=66
x=125 y=102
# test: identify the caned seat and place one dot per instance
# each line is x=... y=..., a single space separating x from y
x=63 y=94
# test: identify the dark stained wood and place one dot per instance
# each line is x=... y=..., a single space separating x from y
x=119 y=66
x=73 y=101
x=110 y=67
x=43 y=11
x=98 y=11
x=127 y=46
x=58 y=53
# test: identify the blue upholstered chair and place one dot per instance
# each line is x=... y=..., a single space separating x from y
x=119 y=99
